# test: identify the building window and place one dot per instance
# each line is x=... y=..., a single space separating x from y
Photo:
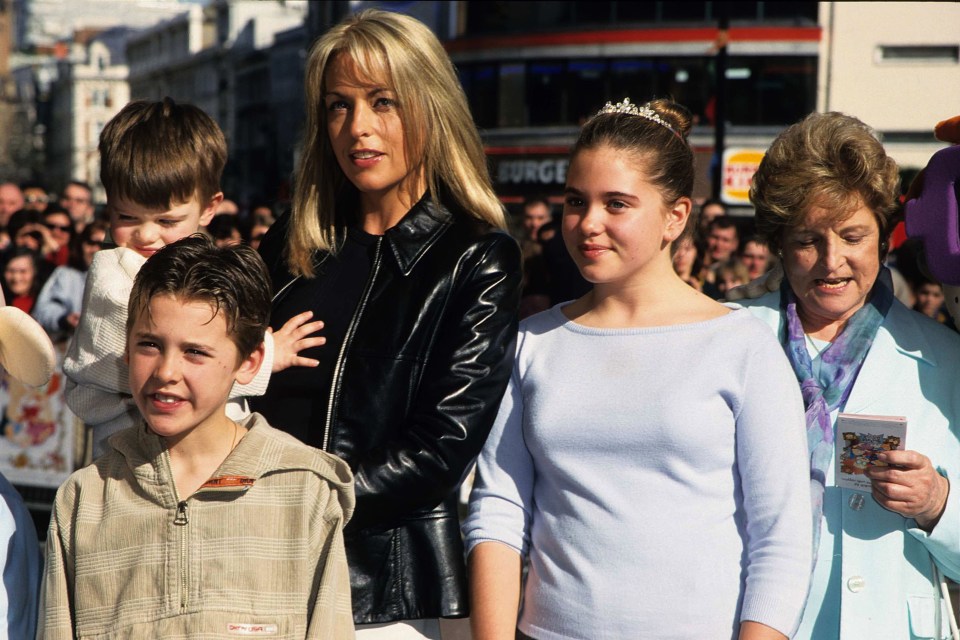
x=481 y=82
x=919 y=53
x=761 y=91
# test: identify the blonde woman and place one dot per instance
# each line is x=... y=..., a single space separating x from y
x=395 y=242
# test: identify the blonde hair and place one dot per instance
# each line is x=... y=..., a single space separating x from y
x=829 y=160
x=439 y=132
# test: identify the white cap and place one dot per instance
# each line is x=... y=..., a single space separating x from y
x=25 y=348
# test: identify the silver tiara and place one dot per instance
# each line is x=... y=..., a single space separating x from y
x=644 y=111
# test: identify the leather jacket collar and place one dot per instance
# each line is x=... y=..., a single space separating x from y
x=417 y=231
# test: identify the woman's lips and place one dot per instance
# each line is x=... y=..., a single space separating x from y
x=591 y=250
x=832 y=284
x=365 y=157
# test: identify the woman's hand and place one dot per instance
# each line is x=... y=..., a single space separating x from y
x=292 y=338
x=49 y=245
x=912 y=488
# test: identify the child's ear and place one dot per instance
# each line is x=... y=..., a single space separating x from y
x=210 y=209
x=677 y=218
x=250 y=365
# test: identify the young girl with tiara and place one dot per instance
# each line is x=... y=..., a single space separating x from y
x=644 y=462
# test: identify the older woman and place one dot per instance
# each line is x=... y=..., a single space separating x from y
x=825 y=195
x=394 y=242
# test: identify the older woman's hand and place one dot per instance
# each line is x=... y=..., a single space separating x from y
x=912 y=488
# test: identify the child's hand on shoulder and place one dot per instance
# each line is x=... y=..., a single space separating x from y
x=292 y=338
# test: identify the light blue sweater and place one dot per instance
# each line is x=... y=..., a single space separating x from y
x=655 y=477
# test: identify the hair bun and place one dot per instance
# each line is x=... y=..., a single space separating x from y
x=674 y=113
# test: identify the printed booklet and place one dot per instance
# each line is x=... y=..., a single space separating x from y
x=859 y=439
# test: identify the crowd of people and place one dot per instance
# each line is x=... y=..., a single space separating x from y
x=725 y=252
x=47 y=245
x=282 y=411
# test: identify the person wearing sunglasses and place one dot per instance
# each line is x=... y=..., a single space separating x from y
x=60 y=225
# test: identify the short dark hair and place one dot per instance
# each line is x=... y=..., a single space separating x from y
x=159 y=154
x=538 y=199
x=79 y=183
x=709 y=202
x=724 y=222
x=233 y=280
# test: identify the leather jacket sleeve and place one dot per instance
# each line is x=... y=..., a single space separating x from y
x=458 y=394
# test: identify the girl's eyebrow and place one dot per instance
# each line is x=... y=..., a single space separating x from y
x=606 y=194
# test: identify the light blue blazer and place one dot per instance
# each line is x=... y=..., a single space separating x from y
x=883 y=574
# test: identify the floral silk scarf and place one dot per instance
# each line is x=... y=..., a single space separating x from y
x=840 y=363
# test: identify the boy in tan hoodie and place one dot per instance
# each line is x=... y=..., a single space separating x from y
x=193 y=524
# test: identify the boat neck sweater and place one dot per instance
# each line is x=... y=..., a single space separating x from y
x=655 y=478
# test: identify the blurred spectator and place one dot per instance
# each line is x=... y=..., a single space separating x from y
x=686 y=261
x=21 y=281
x=930 y=299
x=756 y=257
x=225 y=230
x=77 y=199
x=722 y=240
x=536 y=213
x=535 y=293
x=35 y=197
x=227 y=208
x=61 y=298
x=26 y=230
x=261 y=224
x=731 y=273
x=11 y=199
x=710 y=210
x=60 y=225
x=263 y=212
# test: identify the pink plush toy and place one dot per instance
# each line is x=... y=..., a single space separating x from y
x=933 y=216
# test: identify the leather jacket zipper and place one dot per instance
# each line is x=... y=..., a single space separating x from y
x=351 y=331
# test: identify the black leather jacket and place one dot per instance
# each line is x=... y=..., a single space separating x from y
x=418 y=382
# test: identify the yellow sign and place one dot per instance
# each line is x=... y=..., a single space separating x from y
x=739 y=165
